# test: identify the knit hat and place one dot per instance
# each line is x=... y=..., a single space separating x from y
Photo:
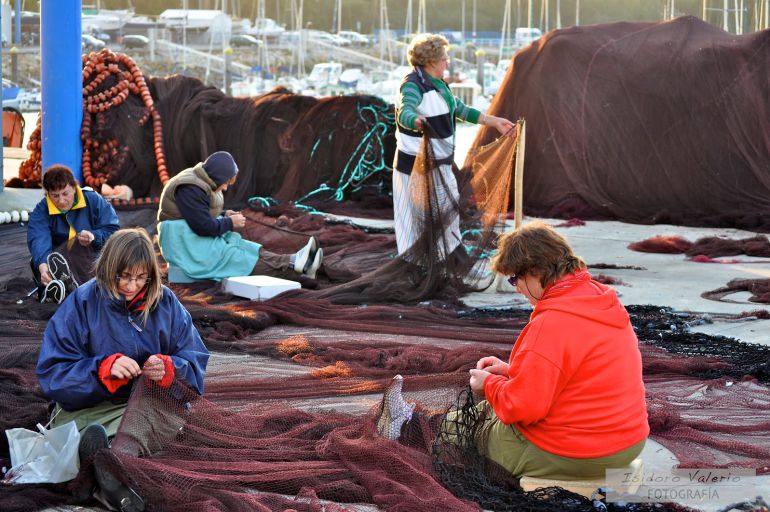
x=220 y=167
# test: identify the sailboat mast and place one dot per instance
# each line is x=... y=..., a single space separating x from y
x=422 y=18
x=506 y=30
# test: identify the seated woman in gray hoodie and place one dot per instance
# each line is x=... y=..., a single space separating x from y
x=199 y=237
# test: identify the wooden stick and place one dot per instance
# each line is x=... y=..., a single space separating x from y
x=518 y=176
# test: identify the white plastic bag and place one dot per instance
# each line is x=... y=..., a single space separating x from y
x=48 y=456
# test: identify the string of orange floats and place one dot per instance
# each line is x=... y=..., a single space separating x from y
x=108 y=80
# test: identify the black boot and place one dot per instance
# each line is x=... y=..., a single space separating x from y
x=93 y=439
x=118 y=495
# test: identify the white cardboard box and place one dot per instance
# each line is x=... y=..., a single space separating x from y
x=257 y=287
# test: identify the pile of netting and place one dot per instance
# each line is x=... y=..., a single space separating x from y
x=709 y=247
x=288 y=417
x=286 y=145
x=644 y=122
x=707 y=250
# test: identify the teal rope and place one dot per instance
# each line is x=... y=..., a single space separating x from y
x=264 y=202
x=367 y=159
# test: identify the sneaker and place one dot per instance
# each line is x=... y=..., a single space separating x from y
x=395 y=410
x=54 y=291
x=117 y=494
x=303 y=259
x=60 y=269
x=316 y=264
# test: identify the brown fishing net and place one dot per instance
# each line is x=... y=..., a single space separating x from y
x=710 y=246
x=437 y=265
x=287 y=420
x=707 y=249
x=644 y=122
x=138 y=132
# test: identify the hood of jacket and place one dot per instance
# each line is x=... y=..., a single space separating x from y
x=578 y=295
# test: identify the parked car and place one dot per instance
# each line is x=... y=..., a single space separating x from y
x=135 y=41
x=266 y=28
x=244 y=40
x=91 y=44
x=355 y=38
x=326 y=37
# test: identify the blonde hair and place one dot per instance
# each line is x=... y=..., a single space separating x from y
x=426 y=49
x=129 y=249
x=536 y=248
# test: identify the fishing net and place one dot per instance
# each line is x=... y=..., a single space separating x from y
x=139 y=131
x=710 y=246
x=644 y=122
x=288 y=418
x=437 y=266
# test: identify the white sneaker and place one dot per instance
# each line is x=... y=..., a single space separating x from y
x=316 y=264
x=303 y=259
x=395 y=410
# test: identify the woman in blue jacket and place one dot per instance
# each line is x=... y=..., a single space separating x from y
x=119 y=326
x=68 y=219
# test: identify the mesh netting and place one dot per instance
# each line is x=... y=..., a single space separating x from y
x=288 y=416
x=644 y=122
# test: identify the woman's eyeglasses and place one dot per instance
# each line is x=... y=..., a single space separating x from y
x=512 y=280
x=126 y=280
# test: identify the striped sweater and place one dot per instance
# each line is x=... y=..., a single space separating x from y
x=423 y=95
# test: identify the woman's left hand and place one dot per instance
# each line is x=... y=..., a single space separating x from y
x=154 y=369
x=502 y=125
x=477 y=380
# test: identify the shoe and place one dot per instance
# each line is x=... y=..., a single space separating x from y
x=60 y=269
x=395 y=410
x=316 y=264
x=93 y=439
x=303 y=259
x=54 y=292
x=116 y=493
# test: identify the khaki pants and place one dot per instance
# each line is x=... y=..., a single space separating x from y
x=274 y=264
x=158 y=428
x=506 y=446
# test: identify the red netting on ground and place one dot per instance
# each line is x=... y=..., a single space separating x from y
x=289 y=411
x=710 y=246
x=758 y=288
x=644 y=122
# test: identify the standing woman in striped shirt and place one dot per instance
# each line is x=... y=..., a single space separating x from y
x=425 y=100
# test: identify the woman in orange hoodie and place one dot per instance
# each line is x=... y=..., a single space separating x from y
x=570 y=401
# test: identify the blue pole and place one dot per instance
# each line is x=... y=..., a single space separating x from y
x=17 y=24
x=62 y=84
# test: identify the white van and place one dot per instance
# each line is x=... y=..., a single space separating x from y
x=525 y=36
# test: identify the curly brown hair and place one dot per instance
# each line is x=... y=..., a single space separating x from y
x=536 y=249
x=426 y=49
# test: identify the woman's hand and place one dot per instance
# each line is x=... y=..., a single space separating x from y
x=239 y=221
x=45 y=275
x=230 y=213
x=477 y=380
x=502 y=125
x=154 y=369
x=419 y=123
x=125 y=368
x=85 y=238
x=493 y=365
